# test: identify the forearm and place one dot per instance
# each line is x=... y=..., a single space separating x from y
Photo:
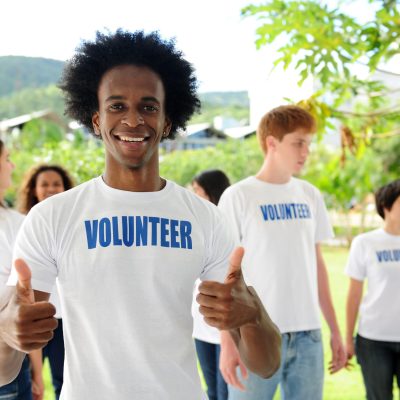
x=35 y=357
x=259 y=343
x=352 y=307
x=10 y=359
x=10 y=363
x=325 y=298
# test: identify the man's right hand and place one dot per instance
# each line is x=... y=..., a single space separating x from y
x=25 y=324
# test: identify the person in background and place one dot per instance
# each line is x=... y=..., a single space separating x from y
x=29 y=383
x=375 y=257
x=41 y=182
x=209 y=185
x=281 y=221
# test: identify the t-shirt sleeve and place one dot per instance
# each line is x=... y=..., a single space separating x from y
x=324 y=229
x=34 y=244
x=219 y=248
x=230 y=206
x=356 y=267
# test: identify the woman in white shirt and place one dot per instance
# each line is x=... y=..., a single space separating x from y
x=28 y=384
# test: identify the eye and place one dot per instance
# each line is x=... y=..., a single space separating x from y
x=116 y=107
x=150 y=108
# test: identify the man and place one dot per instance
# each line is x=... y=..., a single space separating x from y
x=281 y=220
x=127 y=246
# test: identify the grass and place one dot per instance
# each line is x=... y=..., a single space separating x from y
x=344 y=385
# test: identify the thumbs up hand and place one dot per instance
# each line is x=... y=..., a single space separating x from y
x=231 y=304
x=27 y=324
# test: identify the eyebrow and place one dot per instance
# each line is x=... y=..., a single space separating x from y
x=146 y=98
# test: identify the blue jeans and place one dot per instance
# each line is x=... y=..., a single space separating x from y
x=300 y=375
x=208 y=355
x=380 y=363
x=21 y=387
x=54 y=351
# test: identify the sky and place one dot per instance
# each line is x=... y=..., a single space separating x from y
x=211 y=33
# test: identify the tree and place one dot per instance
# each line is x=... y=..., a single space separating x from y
x=324 y=42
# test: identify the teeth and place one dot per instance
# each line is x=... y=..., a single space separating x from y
x=131 y=139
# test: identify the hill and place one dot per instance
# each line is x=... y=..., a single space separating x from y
x=19 y=72
x=28 y=84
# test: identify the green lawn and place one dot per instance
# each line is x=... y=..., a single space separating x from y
x=345 y=385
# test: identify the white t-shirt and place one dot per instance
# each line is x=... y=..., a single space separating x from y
x=375 y=256
x=279 y=226
x=201 y=330
x=126 y=264
x=10 y=222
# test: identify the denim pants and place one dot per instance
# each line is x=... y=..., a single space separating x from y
x=380 y=363
x=54 y=351
x=21 y=387
x=208 y=355
x=300 y=375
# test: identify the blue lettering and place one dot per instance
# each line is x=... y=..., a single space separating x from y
x=164 y=232
x=174 y=233
x=186 y=230
x=288 y=211
x=105 y=232
x=141 y=231
x=127 y=231
x=264 y=212
x=91 y=233
x=116 y=239
x=154 y=221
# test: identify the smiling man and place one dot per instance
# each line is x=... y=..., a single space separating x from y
x=280 y=220
x=127 y=246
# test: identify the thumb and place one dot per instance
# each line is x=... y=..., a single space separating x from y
x=235 y=265
x=24 y=287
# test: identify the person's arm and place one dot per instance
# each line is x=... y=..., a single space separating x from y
x=26 y=323
x=235 y=307
x=325 y=300
x=354 y=296
x=35 y=357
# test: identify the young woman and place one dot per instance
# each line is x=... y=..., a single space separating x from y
x=41 y=182
x=375 y=257
x=28 y=384
x=209 y=185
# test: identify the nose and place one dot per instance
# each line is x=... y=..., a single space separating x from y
x=132 y=118
x=305 y=150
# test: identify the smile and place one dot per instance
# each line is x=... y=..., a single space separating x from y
x=131 y=139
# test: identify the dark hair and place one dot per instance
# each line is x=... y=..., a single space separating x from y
x=283 y=120
x=83 y=73
x=214 y=182
x=386 y=196
x=26 y=195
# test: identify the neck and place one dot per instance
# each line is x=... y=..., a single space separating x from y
x=271 y=173
x=1 y=197
x=134 y=180
x=392 y=227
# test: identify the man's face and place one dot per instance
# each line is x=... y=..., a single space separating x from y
x=131 y=118
x=293 y=150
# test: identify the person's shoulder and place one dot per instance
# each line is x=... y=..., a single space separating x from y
x=306 y=187
x=364 y=239
x=239 y=187
x=190 y=197
x=11 y=214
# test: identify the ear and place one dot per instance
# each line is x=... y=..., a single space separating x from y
x=96 y=123
x=167 y=127
x=270 y=142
